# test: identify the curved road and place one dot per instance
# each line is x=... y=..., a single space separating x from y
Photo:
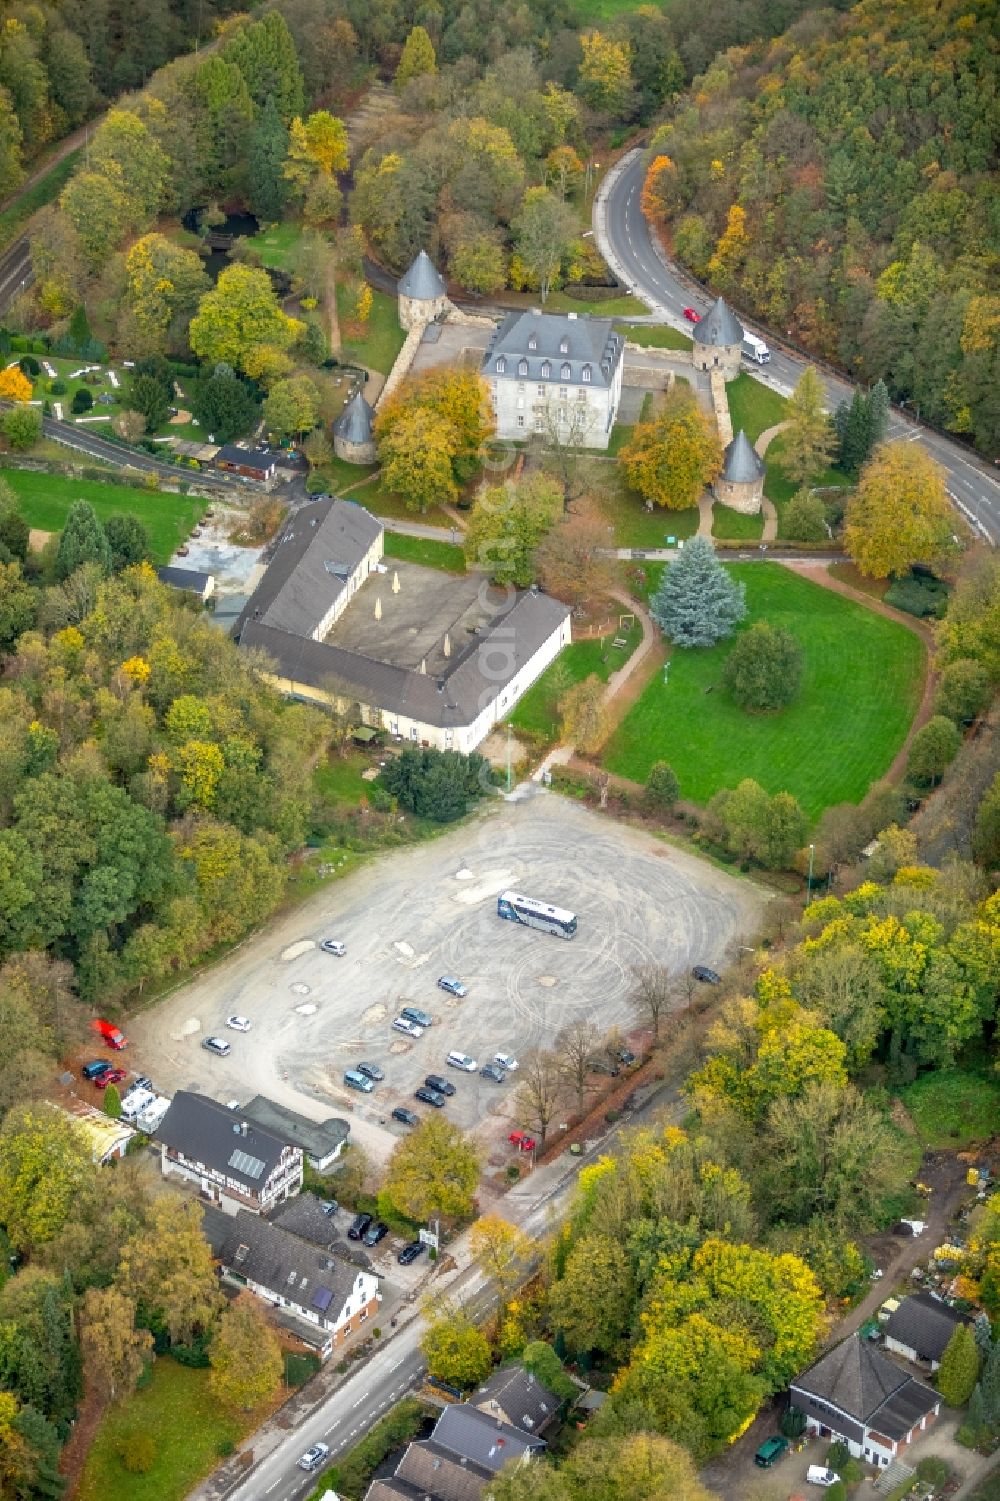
x=628 y=245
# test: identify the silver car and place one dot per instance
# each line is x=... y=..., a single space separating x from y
x=408 y=1028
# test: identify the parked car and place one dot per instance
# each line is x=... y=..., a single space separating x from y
x=372 y=1071
x=238 y=1023
x=334 y=946
x=522 y=1141
x=113 y=1076
x=453 y=986
x=354 y=1079
x=706 y=975
x=604 y=1066
x=506 y=1061
x=626 y=1056
x=820 y=1475
x=692 y=315
x=410 y=1252
x=100 y=1079
x=406 y=1117
x=217 y=1045
x=463 y=1061
x=415 y=1015
x=110 y=1034
x=358 y=1226
x=770 y=1451
x=429 y=1096
x=98 y=1066
x=141 y=1082
x=314 y=1457
x=410 y=1029
x=492 y=1071
x=375 y=1233
x=443 y=1086
x=329 y=1207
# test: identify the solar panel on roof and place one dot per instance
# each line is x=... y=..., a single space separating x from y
x=322 y=1298
x=243 y=1162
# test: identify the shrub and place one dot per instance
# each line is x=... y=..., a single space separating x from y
x=82 y=401
x=662 y=786
x=30 y=366
x=918 y=595
x=138 y=1453
x=805 y=518
x=225 y=1447
x=764 y=669
x=933 y=749
x=58 y=387
x=837 y=1455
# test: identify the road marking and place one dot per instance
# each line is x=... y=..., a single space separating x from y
x=398 y=1363
x=271 y=1487
x=359 y=1401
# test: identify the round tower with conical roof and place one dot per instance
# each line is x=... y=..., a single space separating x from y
x=718 y=341
x=353 y=438
x=741 y=483
x=422 y=293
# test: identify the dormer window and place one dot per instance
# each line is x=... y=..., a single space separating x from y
x=533 y=341
x=586 y=375
x=564 y=346
x=522 y=367
x=546 y=370
x=566 y=371
x=501 y=366
x=606 y=367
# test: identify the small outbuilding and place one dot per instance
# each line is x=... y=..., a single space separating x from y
x=191 y=580
x=422 y=293
x=920 y=1327
x=353 y=436
x=718 y=341
x=247 y=463
x=741 y=483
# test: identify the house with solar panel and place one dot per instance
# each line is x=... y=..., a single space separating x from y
x=233 y=1162
x=310 y=1285
x=555 y=374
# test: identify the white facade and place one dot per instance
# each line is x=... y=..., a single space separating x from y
x=232 y=1194
x=581 y=414
x=356 y=1310
x=352 y=584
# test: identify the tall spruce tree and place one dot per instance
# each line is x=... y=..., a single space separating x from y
x=854 y=439
x=959 y=1369
x=698 y=603
x=268 y=147
x=878 y=415
x=989 y=1385
x=83 y=541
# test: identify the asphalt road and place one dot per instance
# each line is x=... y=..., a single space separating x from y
x=415 y=914
x=625 y=240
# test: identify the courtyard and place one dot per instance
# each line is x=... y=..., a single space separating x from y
x=411 y=916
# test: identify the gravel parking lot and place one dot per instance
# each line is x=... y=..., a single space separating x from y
x=411 y=916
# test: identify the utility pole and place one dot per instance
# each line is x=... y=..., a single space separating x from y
x=809 y=881
x=508 y=755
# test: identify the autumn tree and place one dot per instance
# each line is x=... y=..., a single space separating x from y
x=14 y=385
x=764 y=669
x=503 y=1250
x=22 y=427
x=576 y=1047
x=900 y=513
x=583 y=719
x=418 y=59
x=605 y=81
x=671 y=460
x=807 y=442
x=246 y=1359
x=507 y=524
x=416 y=457
x=804 y=518
x=572 y=561
x=963 y=690
x=433 y=1173
x=317 y=147
x=237 y=316
x=986 y=832
x=292 y=407
x=959 y=1369
x=479 y=264
x=652 y=994
x=44 y=1161
x=662 y=786
x=756 y=826
x=698 y=603
x=545 y=228
x=932 y=750
x=563 y=170
x=163 y=284
x=591 y=1302
x=114 y=1350
x=18 y=604
x=456 y=1350
x=167 y=1268
x=540 y=1091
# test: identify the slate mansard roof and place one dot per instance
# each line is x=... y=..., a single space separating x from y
x=354 y=424
x=282 y=1263
x=422 y=281
x=925 y=1324
x=719 y=328
x=204 y=1131
x=542 y=346
x=741 y=463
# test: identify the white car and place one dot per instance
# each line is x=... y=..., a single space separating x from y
x=464 y=1061
x=314 y=1457
x=334 y=946
x=506 y=1061
x=410 y=1029
x=820 y=1475
x=238 y=1023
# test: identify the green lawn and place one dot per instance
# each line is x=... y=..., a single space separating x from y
x=611 y=307
x=383 y=339
x=338 y=780
x=340 y=476
x=13 y=219
x=953 y=1108
x=779 y=488
x=426 y=551
x=588 y=12
x=275 y=245
x=753 y=407
x=538 y=711
x=622 y=432
x=736 y=524
x=64 y=368
x=625 y=512
x=861 y=686
x=177 y=1410
x=45 y=499
x=382 y=502
x=655 y=336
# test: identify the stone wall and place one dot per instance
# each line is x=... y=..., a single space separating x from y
x=720 y=403
x=710 y=357
x=745 y=498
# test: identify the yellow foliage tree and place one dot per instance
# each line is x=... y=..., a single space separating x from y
x=15 y=385
x=238 y=315
x=900 y=513
x=605 y=80
x=673 y=458
x=731 y=248
x=416 y=454
x=363 y=305
x=315 y=145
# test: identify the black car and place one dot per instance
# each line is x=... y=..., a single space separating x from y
x=141 y=1082
x=442 y=1086
x=407 y=1117
x=372 y=1071
x=358 y=1226
x=410 y=1253
x=706 y=975
x=626 y=1056
x=492 y=1071
x=99 y=1066
x=374 y=1233
x=429 y=1096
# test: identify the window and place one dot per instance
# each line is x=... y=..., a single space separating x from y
x=566 y=371
x=413 y=732
x=520 y=403
x=522 y=367
x=362 y=1315
x=563 y=393
x=521 y=387
x=562 y=414
x=564 y=346
x=541 y=390
x=539 y=424
x=586 y=375
x=501 y=366
x=520 y=421
x=546 y=370
x=533 y=341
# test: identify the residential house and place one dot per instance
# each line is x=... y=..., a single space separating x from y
x=920 y=1327
x=555 y=374
x=516 y=1396
x=233 y=1162
x=855 y=1393
x=248 y=464
x=311 y=1285
x=321 y=1141
x=467 y=1448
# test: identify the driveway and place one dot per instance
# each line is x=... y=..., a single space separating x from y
x=411 y=916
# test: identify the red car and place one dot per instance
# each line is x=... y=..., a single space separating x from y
x=692 y=315
x=522 y=1141
x=110 y=1033
x=109 y=1076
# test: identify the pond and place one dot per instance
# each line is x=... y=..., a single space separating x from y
x=235 y=226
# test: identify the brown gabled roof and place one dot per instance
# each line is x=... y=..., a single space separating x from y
x=433 y=1471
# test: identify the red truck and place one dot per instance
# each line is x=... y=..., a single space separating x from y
x=110 y=1034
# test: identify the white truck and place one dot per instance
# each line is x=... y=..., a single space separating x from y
x=755 y=349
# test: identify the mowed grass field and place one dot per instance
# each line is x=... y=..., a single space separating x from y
x=862 y=681
x=44 y=501
x=538 y=711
